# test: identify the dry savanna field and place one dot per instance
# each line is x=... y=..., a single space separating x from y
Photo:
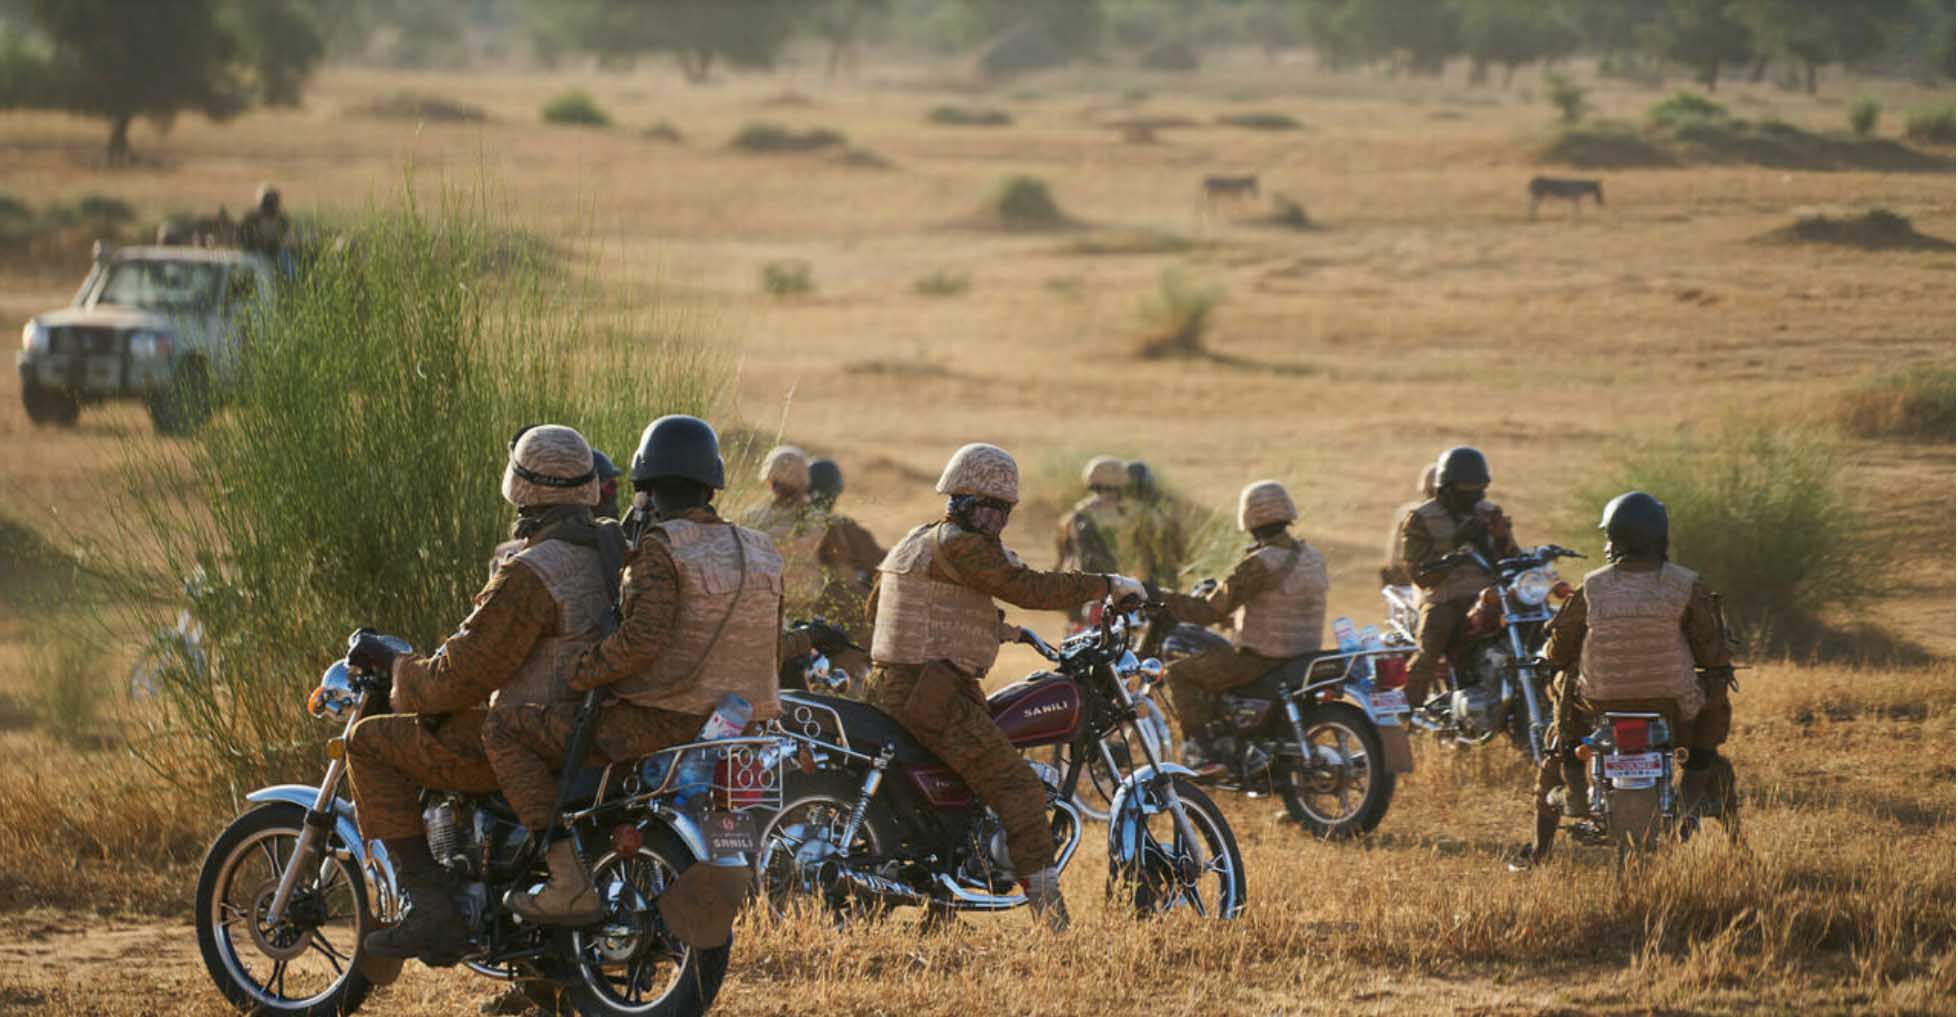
x=1425 y=309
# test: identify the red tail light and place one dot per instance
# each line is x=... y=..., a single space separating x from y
x=744 y=780
x=1389 y=672
x=1630 y=735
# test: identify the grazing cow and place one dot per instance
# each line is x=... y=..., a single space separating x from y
x=1215 y=187
x=1573 y=191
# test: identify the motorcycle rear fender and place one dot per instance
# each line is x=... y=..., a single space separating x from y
x=1120 y=847
x=376 y=869
x=1394 y=739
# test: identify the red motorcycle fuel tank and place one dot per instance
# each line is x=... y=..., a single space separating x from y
x=1038 y=711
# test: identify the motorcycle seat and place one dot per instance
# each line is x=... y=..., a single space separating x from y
x=1289 y=675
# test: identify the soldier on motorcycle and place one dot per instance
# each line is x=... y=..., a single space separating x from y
x=851 y=556
x=1090 y=534
x=550 y=598
x=1637 y=630
x=938 y=632
x=700 y=614
x=1155 y=540
x=1458 y=514
x=1394 y=572
x=1278 y=595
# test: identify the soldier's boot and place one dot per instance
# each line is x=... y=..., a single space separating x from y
x=1708 y=790
x=430 y=927
x=1537 y=851
x=568 y=899
x=1207 y=769
x=1043 y=890
x=1576 y=789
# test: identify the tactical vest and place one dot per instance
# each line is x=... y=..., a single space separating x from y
x=1286 y=619
x=1462 y=581
x=922 y=618
x=1100 y=550
x=574 y=577
x=730 y=620
x=798 y=535
x=1634 y=647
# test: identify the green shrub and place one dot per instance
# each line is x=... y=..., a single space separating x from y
x=787 y=278
x=1131 y=241
x=67 y=672
x=1864 y=113
x=13 y=209
x=1024 y=203
x=663 y=131
x=1685 y=107
x=1764 y=516
x=1289 y=214
x=1174 y=318
x=961 y=116
x=101 y=211
x=1265 y=121
x=1605 y=144
x=1916 y=403
x=353 y=477
x=1200 y=542
x=576 y=108
x=411 y=105
x=1566 y=96
x=1932 y=125
x=942 y=283
x=766 y=137
x=1879 y=229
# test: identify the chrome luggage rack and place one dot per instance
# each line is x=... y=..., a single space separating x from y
x=745 y=774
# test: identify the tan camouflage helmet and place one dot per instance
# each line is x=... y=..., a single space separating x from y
x=984 y=470
x=1105 y=471
x=786 y=467
x=1427 y=488
x=1264 y=503
x=550 y=465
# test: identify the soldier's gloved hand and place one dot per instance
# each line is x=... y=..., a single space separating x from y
x=368 y=650
x=827 y=639
x=1123 y=590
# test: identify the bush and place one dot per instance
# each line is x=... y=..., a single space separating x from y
x=1131 y=241
x=766 y=137
x=1024 y=203
x=1261 y=121
x=942 y=284
x=576 y=108
x=664 y=131
x=410 y=105
x=1683 y=107
x=1176 y=316
x=1864 y=112
x=1931 y=126
x=1605 y=145
x=1879 y=229
x=67 y=672
x=1764 y=516
x=1916 y=403
x=1288 y=214
x=1566 y=96
x=353 y=478
x=960 y=116
x=787 y=278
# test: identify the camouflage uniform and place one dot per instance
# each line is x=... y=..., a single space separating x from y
x=1156 y=543
x=664 y=666
x=1090 y=539
x=1429 y=532
x=1291 y=576
x=824 y=570
x=931 y=653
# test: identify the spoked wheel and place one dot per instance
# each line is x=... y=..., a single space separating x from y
x=629 y=964
x=1158 y=866
x=305 y=963
x=1339 y=787
x=806 y=837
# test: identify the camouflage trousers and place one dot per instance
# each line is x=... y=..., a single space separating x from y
x=392 y=756
x=1573 y=717
x=1438 y=626
x=525 y=745
x=1195 y=682
x=946 y=712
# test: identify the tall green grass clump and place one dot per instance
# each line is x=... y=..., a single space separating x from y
x=1864 y=114
x=576 y=108
x=1173 y=320
x=67 y=674
x=1685 y=109
x=1914 y=404
x=1764 y=516
x=1934 y=125
x=354 y=477
x=1185 y=542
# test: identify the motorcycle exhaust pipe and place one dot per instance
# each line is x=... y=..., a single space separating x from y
x=840 y=880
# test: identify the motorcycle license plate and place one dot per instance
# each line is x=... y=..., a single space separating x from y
x=1390 y=701
x=1642 y=766
x=730 y=833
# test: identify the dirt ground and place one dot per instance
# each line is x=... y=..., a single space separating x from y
x=1426 y=309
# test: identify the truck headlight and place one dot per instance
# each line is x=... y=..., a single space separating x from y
x=150 y=344
x=33 y=337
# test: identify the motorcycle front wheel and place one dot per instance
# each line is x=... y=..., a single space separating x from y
x=307 y=963
x=628 y=965
x=1339 y=786
x=1157 y=868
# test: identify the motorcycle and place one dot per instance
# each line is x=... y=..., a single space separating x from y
x=289 y=890
x=1495 y=682
x=1632 y=801
x=874 y=821
x=1324 y=730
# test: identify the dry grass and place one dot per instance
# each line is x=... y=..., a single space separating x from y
x=1435 y=313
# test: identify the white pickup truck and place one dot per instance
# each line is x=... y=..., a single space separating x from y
x=160 y=324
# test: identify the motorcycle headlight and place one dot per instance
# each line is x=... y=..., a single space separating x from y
x=33 y=337
x=150 y=344
x=1532 y=588
x=335 y=695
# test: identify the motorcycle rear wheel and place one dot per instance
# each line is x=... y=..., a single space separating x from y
x=1341 y=787
x=608 y=976
x=812 y=816
x=1634 y=824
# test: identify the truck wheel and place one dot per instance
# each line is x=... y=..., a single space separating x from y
x=179 y=407
x=49 y=406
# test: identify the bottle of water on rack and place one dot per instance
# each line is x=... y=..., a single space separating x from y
x=1369 y=641
x=696 y=776
x=1345 y=635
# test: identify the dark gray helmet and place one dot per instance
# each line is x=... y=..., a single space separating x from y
x=1461 y=466
x=825 y=479
x=679 y=446
x=1142 y=480
x=1635 y=526
x=604 y=465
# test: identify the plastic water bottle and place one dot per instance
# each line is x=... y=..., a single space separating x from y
x=729 y=719
x=1369 y=641
x=1345 y=635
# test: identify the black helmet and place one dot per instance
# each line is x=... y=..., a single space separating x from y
x=604 y=465
x=1635 y=526
x=825 y=479
x=679 y=446
x=1142 y=481
x=1462 y=466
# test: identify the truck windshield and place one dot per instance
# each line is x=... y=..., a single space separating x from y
x=179 y=286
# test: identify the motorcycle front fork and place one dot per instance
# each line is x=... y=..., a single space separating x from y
x=1532 y=696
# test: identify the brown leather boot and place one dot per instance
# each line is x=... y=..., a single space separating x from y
x=568 y=899
x=1043 y=890
x=1538 y=851
x=429 y=928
